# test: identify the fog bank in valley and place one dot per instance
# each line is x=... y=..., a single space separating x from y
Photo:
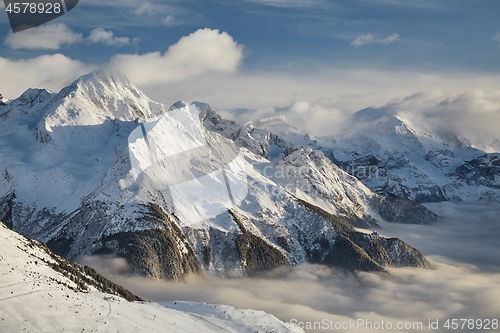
x=463 y=248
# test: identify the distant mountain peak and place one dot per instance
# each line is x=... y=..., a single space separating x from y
x=371 y=114
x=32 y=96
x=30 y=105
x=380 y=119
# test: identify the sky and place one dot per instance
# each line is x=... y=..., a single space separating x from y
x=265 y=55
x=462 y=247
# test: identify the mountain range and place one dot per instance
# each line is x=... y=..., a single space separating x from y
x=68 y=181
x=401 y=154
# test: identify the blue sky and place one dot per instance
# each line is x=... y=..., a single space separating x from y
x=309 y=34
x=352 y=54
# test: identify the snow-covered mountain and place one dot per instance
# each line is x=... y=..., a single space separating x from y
x=400 y=155
x=42 y=292
x=68 y=181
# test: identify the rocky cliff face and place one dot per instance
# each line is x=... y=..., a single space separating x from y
x=67 y=180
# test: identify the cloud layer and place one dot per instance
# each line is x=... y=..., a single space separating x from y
x=472 y=115
x=317 y=117
x=455 y=288
x=205 y=50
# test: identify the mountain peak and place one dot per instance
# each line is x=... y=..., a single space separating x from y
x=101 y=82
x=104 y=78
x=105 y=74
x=99 y=96
x=32 y=96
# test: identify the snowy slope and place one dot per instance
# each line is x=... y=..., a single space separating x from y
x=36 y=298
x=68 y=180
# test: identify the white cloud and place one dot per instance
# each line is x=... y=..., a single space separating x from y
x=313 y=293
x=53 y=36
x=147 y=8
x=496 y=38
x=169 y=15
x=49 y=71
x=319 y=103
x=475 y=115
x=205 y=50
x=363 y=40
x=196 y=69
x=49 y=37
x=316 y=117
x=370 y=39
x=100 y=35
x=391 y=39
x=171 y=21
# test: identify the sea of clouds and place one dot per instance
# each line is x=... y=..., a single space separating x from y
x=463 y=248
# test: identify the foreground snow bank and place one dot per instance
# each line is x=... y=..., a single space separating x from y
x=36 y=298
